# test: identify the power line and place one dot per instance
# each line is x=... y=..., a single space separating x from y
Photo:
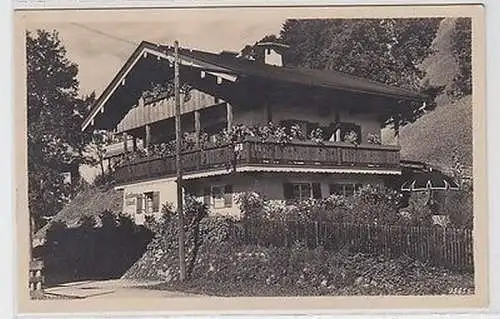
x=105 y=34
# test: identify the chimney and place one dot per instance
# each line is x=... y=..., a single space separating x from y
x=229 y=54
x=273 y=52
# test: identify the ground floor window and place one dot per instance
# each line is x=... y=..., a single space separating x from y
x=218 y=196
x=148 y=203
x=345 y=189
x=301 y=191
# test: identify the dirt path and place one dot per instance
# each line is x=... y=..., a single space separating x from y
x=118 y=288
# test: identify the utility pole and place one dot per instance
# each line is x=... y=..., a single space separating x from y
x=178 y=135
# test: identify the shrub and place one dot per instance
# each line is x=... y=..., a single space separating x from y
x=374 y=139
x=352 y=137
x=460 y=206
x=375 y=205
x=92 y=252
x=370 y=204
x=251 y=206
x=419 y=213
x=317 y=135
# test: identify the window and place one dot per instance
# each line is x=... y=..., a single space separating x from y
x=345 y=189
x=218 y=196
x=301 y=191
x=148 y=203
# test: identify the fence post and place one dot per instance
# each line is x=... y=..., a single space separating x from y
x=36 y=279
x=296 y=231
x=316 y=231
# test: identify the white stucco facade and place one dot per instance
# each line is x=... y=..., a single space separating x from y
x=270 y=185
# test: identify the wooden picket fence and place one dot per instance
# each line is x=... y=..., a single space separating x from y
x=437 y=246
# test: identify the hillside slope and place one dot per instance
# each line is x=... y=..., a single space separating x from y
x=437 y=135
x=89 y=202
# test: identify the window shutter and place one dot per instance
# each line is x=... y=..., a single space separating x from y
x=316 y=191
x=206 y=196
x=357 y=187
x=228 y=196
x=156 y=202
x=287 y=190
x=139 y=204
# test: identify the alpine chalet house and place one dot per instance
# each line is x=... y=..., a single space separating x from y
x=287 y=133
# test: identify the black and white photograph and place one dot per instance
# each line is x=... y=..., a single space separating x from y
x=183 y=154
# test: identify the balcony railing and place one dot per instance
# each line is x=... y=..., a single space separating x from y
x=269 y=154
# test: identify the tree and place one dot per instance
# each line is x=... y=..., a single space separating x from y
x=55 y=113
x=96 y=149
x=461 y=43
x=384 y=50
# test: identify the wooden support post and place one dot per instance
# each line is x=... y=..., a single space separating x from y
x=229 y=116
x=125 y=142
x=396 y=128
x=178 y=131
x=148 y=136
x=134 y=145
x=268 y=112
x=197 y=128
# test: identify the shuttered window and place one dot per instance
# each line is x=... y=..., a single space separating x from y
x=139 y=208
x=301 y=191
x=207 y=196
x=316 y=190
x=220 y=196
x=228 y=196
x=148 y=203
x=156 y=202
x=288 y=190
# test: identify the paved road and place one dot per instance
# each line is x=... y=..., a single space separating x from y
x=118 y=288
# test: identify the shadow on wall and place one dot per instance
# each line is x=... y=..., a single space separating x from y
x=89 y=252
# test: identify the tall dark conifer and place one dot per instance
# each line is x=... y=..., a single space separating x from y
x=55 y=113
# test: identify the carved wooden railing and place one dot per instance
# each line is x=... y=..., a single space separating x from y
x=257 y=153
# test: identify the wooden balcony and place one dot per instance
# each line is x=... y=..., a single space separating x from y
x=305 y=154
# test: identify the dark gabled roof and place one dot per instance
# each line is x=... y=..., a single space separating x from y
x=246 y=68
x=323 y=78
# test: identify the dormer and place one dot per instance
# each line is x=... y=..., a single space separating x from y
x=273 y=52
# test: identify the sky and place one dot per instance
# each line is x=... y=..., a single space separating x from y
x=101 y=48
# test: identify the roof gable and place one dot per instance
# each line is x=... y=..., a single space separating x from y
x=231 y=67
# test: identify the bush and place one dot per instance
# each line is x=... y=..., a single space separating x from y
x=93 y=251
x=460 y=207
x=201 y=231
x=369 y=205
x=161 y=260
x=105 y=179
x=375 y=205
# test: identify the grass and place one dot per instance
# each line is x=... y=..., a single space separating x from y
x=436 y=136
x=89 y=202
